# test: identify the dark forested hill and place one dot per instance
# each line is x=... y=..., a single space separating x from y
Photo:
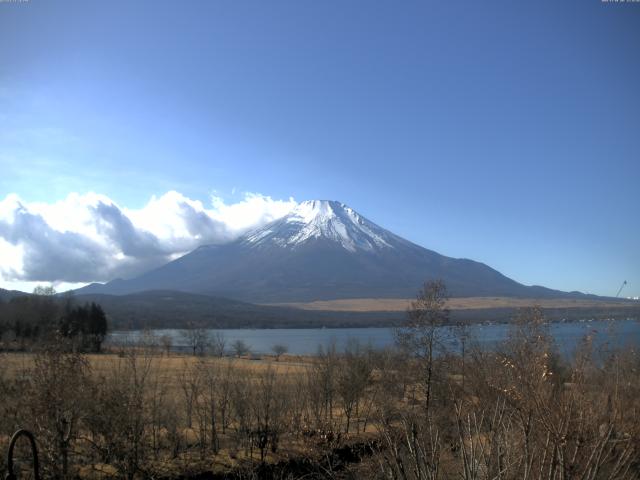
x=172 y=309
x=6 y=295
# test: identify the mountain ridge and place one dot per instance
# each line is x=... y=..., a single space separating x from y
x=321 y=250
x=7 y=295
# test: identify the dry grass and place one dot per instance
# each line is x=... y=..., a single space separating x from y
x=170 y=367
x=169 y=371
x=463 y=303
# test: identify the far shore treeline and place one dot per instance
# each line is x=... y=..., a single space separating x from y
x=162 y=309
x=44 y=318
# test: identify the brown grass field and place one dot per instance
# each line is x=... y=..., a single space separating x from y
x=168 y=371
x=169 y=366
x=463 y=303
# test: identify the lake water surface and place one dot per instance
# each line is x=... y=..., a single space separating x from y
x=305 y=341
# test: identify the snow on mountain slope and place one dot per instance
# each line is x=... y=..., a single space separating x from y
x=317 y=219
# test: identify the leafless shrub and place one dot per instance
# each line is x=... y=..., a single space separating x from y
x=411 y=449
x=197 y=339
x=190 y=380
x=279 y=350
x=59 y=392
x=269 y=407
x=167 y=342
x=119 y=423
x=218 y=344
x=354 y=376
x=321 y=384
x=240 y=348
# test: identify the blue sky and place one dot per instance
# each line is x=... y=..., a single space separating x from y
x=507 y=132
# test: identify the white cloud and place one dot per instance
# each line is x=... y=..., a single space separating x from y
x=254 y=210
x=88 y=237
x=10 y=259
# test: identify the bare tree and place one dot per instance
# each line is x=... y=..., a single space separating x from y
x=224 y=389
x=321 y=384
x=159 y=408
x=190 y=380
x=354 y=376
x=409 y=453
x=167 y=343
x=44 y=291
x=240 y=348
x=119 y=423
x=420 y=334
x=197 y=339
x=207 y=404
x=268 y=412
x=58 y=403
x=240 y=400
x=218 y=344
x=279 y=349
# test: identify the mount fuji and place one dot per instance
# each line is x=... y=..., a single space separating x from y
x=321 y=250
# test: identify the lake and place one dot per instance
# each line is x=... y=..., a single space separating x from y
x=305 y=341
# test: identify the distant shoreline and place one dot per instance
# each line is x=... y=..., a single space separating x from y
x=377 y=319
x=458 y=303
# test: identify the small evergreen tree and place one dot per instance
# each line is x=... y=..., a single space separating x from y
x=86 y=325
x=97 y=327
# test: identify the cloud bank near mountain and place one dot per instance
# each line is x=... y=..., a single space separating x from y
x=89 y=237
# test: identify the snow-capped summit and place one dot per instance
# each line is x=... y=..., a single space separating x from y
x=322 y=219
